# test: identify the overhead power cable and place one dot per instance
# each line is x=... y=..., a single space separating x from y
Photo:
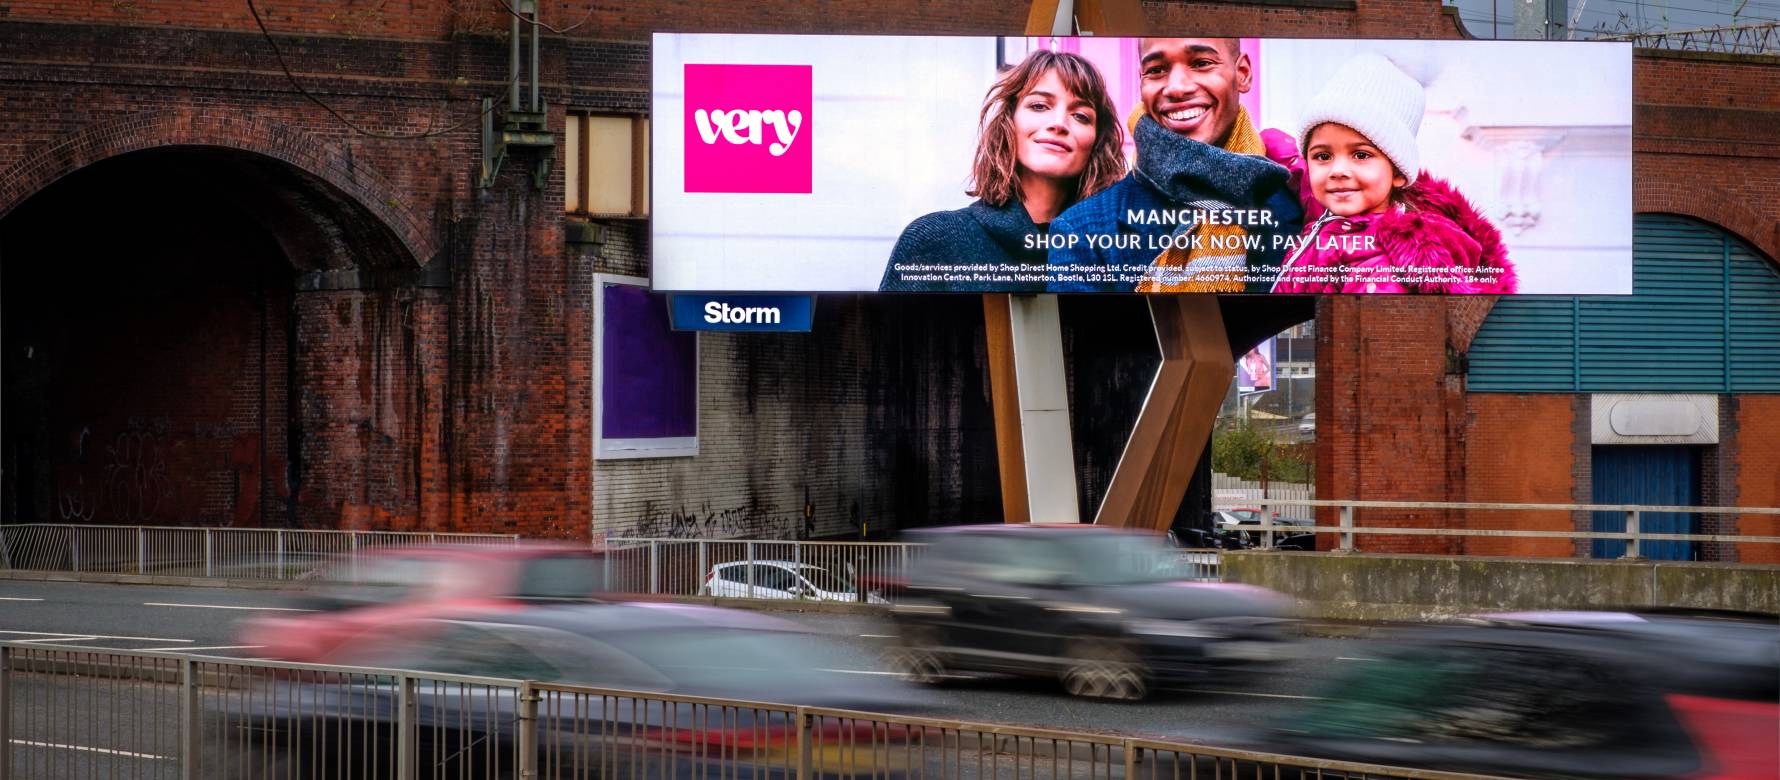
x=429 y=132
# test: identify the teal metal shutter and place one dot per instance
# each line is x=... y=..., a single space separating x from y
x=1528 y=345
x=1704 y=316
x=1754 y=322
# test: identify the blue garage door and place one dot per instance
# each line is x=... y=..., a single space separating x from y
x=1664 y=476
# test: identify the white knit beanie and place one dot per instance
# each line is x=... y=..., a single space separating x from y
x=1377 y=100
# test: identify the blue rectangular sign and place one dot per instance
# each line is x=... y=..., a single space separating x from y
x=758 y=313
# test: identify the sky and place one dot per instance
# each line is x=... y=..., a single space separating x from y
x=1624 y=15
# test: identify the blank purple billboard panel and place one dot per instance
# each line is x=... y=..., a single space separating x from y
x=965 y=164
x=649 y=371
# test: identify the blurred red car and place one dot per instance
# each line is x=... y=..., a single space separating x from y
x=395 y=584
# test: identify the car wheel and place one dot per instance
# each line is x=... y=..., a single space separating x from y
x=914 y=659
x=1104 y=669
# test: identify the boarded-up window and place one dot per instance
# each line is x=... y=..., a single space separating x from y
x=645 y=374
x=607 y=165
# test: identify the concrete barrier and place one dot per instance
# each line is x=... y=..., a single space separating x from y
x=1367 y=587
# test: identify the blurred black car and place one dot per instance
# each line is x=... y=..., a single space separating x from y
x=1570 y=694
x=330 y=725
x=1111 y=613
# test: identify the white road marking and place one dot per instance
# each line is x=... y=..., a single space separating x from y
x=106 y=751
x=212 y=647
x=55 y=639
x=222 y=606
x=1262 y=695
x=879 y=636
x=1349 y=658
x=95 y=636
x=892 y=674
x=17 y=598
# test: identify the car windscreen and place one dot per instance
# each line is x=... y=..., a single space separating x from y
x=377 y=580
x=1123 y=559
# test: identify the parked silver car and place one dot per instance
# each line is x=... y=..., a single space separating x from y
x=781 y=580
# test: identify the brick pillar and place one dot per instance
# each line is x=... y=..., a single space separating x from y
x=331 y=408
x=368 y=369
x=520 y=405
x=1386 y=411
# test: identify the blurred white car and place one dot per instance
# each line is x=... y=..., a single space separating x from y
x=781 y=580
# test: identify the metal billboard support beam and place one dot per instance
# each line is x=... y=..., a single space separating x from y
x=1027 y=381
x=1178 y=414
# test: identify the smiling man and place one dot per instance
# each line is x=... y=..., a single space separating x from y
x=1204 y=210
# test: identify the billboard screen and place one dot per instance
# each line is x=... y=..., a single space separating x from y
x=1254 y=370
x=1118 y=165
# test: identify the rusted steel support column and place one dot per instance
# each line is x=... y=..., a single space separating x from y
x=1004 y=398
x=1177 y=417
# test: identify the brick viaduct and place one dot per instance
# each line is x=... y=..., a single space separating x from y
x=224 y=306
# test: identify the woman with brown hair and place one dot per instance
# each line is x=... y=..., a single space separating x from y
x=1050 y=137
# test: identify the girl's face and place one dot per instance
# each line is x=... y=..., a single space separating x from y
x=1053 y=130
x=1348 y=175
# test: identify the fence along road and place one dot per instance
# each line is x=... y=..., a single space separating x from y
x=80 y=714
x=682 y=567
x=236 y=553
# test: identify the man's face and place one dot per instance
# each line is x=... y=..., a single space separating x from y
x=1193 y=86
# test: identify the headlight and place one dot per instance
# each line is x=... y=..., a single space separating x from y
x=1180 y=628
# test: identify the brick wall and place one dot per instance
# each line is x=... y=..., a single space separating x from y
x=1686 y=103
x=1518 y=450
x=1758 y=477
x=1383 y=410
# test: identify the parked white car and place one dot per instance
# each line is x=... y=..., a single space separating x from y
x=780 y=580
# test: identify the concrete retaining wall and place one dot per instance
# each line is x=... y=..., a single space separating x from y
x=1356 y=586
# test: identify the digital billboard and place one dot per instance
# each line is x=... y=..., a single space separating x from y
x=1152 y=165
x=1254 y=370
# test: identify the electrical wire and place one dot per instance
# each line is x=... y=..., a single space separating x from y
x=428 y=132
x=539 y=23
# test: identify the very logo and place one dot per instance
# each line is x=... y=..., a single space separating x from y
x=749 y=128
x=744 y=127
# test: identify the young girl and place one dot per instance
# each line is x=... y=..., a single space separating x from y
x=1374 y=222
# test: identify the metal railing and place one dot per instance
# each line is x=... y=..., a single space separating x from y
x=235 y=553
x=78 y=714
x=1633 y=535
x=760 y=568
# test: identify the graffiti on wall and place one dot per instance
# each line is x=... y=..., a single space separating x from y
x=132 y=483
x=758 y=522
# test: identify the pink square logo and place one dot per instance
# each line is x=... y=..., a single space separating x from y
x=748 y=128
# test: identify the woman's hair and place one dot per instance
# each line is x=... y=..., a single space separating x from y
x=994 y=176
